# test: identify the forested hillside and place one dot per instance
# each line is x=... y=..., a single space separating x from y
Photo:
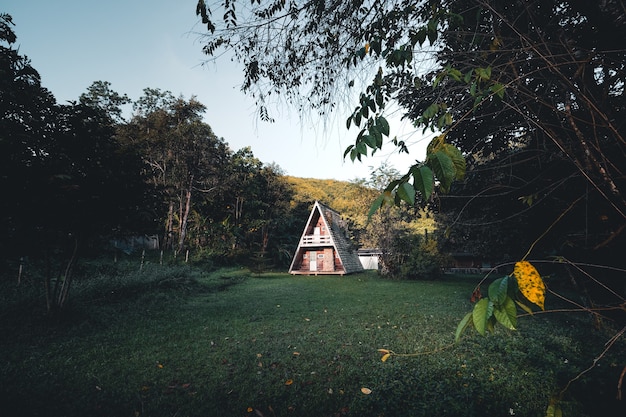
x=351 y=199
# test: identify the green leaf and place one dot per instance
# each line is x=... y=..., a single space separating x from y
x=438 y=78
x=421 y=36
x=379 y=99
x=457 y=160
x=465 y=323
x=392 y=185
x=473 y=89
x=431 y=111
x=483 y=73
x=348 y=122
x=456 y=74
x=361 y=148
x=506 y=313
x=498 y=90
x=477 y=101
x=443 y=167
x=383 y=125
x=376 y=205
x=369 y=140
x=372 y=104
x=498 y=290
x=354 y=154
x=524 y=307
x=423 y=180
x=347 y=151
x=375 y=45
x=377 y=136
x=483 y=310
x=436 y=144
x=432 y=36
x=407 y=193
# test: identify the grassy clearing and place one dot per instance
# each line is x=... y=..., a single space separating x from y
x=176 y=341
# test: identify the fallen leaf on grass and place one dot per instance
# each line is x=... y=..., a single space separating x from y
x=385 y=357
x=289 y=382
x=366 y=391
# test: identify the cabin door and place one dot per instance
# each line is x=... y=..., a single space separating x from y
x=312 y=261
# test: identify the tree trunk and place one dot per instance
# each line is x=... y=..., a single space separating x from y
x=169 y=232
x=184 y=219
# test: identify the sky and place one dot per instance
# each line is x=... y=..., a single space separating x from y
x=137 y=44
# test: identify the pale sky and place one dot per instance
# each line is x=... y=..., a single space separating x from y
x=136 y=44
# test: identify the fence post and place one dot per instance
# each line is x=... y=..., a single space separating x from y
x=19 y=273
x=143 y=256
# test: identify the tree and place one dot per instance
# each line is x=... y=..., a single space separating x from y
x=100 y=95
x=401 y=233
x=26 y=110
x=90 y=189
x=257 y=204
x=65 y=177
x=183 y=158
x=534 y=110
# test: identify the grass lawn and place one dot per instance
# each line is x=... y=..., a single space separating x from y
x=178 y=341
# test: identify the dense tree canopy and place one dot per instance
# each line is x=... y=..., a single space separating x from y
x=530 y=92
x=64 y=177
x=536 y=94
x=77 y=177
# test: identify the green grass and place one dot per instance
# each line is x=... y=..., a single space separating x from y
x=177 y=341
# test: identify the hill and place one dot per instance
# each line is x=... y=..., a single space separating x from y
x=351 y=199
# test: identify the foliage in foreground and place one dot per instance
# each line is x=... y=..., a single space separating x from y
x=183 y=341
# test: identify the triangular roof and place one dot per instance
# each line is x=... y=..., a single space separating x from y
x=336 y=239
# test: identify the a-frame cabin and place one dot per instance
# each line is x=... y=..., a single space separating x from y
x=324 y=247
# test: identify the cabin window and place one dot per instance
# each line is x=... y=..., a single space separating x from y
x=306 y=255
x=320 y=255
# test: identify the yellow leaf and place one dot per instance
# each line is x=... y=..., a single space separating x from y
x=250 y=409
x=530 y=283
x=366 y=391
x=289 y=382
x=383 y=350
x=367 y=48
x=385 y=357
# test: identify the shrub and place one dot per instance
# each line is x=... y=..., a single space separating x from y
x=424 y=260
x=413 y=257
